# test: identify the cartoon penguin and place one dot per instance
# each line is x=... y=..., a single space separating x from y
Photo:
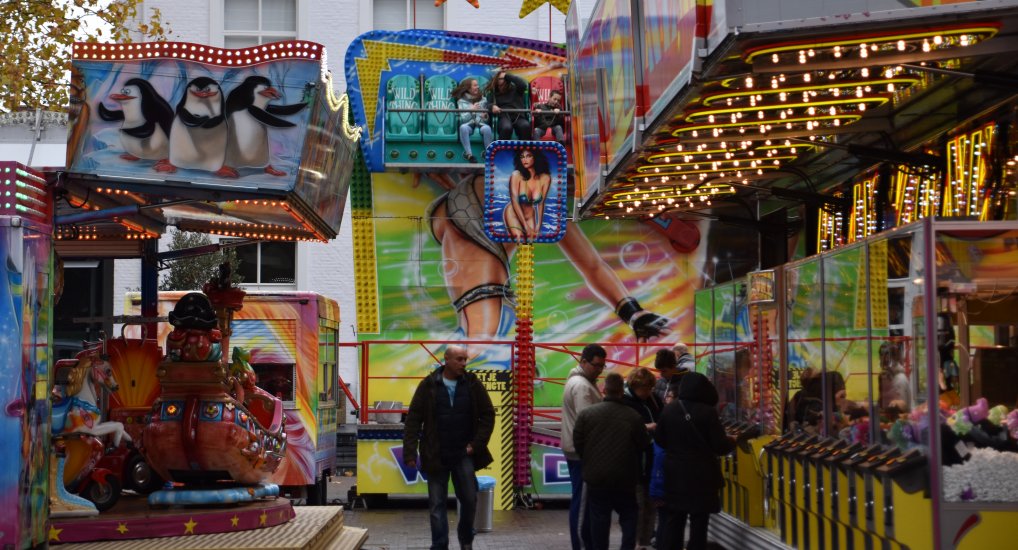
x=199 y=131
x=146 y=116
x=250 y=117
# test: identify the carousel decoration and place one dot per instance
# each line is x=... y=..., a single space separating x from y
x=212 y=426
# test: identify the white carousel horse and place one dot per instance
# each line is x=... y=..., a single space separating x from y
x=80 y=412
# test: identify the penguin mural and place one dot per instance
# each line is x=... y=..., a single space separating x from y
x=250 y=116
x=146 y=117
x=199 y=131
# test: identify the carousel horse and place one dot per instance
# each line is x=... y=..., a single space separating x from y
x=77 y=410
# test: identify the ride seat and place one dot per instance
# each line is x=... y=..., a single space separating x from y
x=402 y=92
x=440 y=126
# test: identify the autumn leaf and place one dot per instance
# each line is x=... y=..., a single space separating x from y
x=37 y=36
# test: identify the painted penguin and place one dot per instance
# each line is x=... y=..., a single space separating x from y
x=146 y=116
x=250 y=117
x=199 y=131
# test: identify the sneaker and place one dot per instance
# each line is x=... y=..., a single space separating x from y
x=471 y=159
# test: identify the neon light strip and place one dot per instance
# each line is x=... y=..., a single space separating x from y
x=847 y=118
x=692 y=116
x=827 y=86
x=990 y=29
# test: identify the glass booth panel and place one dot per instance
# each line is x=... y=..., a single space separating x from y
x=722 y=359
x=976 y=368
x=844 y=386
x=802 y=334
x=892 y=268
x=704 y=329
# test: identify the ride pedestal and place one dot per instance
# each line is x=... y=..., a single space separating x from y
x=262 y=524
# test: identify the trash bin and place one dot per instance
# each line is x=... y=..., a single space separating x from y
x=485 y=504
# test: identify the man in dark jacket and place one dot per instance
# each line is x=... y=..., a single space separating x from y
x=549 y=115
x=453 y=411
x=509 y=91
x=692 y=437
x=610 y=438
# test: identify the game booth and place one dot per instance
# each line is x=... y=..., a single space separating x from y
x=176 y=433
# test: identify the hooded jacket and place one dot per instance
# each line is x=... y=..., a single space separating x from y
x=422 y=427
x=692 y=471
x=578 y=394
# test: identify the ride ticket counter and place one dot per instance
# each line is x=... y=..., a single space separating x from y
x=889 y=417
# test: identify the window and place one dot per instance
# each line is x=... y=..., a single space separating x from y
x=276 y=379
x=397 y=15
x=248 y=23
x=328 y=337
x=267 y=263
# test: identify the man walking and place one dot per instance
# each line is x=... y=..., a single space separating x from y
x=611 y=438
x=580 y=392
x=452 y=417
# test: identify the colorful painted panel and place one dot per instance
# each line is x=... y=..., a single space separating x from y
x=604 y=62
x=586 y=131
x=668 y=29
x=26 y=309
x=525 y=193
x=185 y=112
x=255 y=122
x=389 y=71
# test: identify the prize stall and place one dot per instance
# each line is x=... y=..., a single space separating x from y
x=251 y=144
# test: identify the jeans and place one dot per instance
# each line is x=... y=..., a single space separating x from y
x=466 y=130
x=646 y=515
x=556 y=131
x=602 y=502
x=673 y=529
x=579 y=522
x=465 y=485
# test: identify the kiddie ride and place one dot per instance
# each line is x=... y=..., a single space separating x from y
x=212 y=429
x=88 y=466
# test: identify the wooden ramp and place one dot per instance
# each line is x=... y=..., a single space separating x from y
x=312 y=528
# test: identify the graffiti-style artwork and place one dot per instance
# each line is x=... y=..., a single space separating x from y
x=525 y=192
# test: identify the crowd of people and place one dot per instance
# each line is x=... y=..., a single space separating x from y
x=480 y=106
x=649 y=457
x=647 y=450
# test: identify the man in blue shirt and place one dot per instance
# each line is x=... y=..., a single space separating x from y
x=451 y=417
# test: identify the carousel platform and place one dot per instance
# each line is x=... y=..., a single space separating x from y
x=271 y=524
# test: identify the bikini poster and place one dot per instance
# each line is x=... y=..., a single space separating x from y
x=525 y=192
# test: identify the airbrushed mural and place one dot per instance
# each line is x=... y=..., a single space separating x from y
x=247 y=122
x=199 y=121
x=26 y=310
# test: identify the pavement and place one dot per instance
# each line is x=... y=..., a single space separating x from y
x=402 y=523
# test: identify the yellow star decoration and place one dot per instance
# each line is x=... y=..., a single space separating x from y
x=54 y=533
x=233 y=521
x=262 y=518
x=121 y=528
x=189 y=526
x=530 y=5
x=474 y=3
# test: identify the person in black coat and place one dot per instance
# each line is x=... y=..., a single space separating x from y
x=507 y=91
x=451 y=417
x=690 y=432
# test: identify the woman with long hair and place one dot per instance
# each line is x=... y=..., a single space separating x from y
x=471 y=102
x=528 y=192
